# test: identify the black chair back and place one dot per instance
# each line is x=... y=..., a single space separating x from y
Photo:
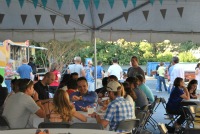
x=4 y=123
x=54 y=125
x=128 y=125
x=87 y=126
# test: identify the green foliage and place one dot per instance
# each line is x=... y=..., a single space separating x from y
x=187 y=57
x=164 y=57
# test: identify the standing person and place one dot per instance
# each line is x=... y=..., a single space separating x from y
x=135 y=69
x=170 y=68
x=100 y=74
x=76 y=67
x=89 y=76
x=197 y=75
x=157 y=78
x=115 y=69
x=9 y=73
x=20 y=106
x=54 y=85
x=161 y=71
x=33 y=66
x=119 y=109
x=178 y=70
x=25 y=71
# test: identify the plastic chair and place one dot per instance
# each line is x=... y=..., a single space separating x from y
x=128 y=125
x=87 y=126
x=54 y=125
x=4 y=123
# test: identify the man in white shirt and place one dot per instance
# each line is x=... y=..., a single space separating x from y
x=115 y=69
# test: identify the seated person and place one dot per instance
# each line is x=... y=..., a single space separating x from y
x=74 y=75
x=101 y=91
x=3 y=93
x=72 y=86
x=141 y=100
x=192 y=87
x=20 y=106
x=145 y=88
x=83 y=98
x=119 y=109
x=179 y=92
x=61 y=109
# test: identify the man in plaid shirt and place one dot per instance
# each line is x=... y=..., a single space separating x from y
x=119 y=109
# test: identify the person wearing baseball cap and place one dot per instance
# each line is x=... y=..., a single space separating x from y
x=119 y=109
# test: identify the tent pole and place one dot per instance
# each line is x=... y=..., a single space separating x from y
x=95 y=61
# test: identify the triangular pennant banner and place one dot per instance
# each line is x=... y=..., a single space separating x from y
x=81 y=17
x=53 y=18
x=111 y=3
x=134 y=2
x=37 y=18
x=44 y=3
x=59 y=3
x=23 y=17
x=1 y=18
x=8 y=2
x=152 y=1
x=101 y=16
x=35 y=2
x=67 y=16
x=125 y=3
x=146 y=14
x=96 y=3
x=76 y=3
x=21 y=2
x=161 y=1
x=86 y=3
x=126 y=14
x=180 y=11
x=163 y=12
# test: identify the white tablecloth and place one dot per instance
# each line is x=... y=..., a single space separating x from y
x=58 y=131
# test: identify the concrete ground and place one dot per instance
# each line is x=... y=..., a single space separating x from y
x=160 y=111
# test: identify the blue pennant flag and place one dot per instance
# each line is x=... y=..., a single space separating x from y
x=44 y=3
x=59 y=2
x=86 y=3
x=125 y=3
x=35 y=2
x=76 y=3
x=96 y=3
x=8 y=2
x=21 y=2
x=134 y=2
x=161 y=1
x=111 y=2
x=151 y=1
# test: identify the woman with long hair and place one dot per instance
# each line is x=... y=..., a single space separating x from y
x=197 y=75
x=192 y=87
x=61 y=109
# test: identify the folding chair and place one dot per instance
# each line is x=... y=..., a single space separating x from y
x=142 y=115
x=128 y=125
x=191 y=131
x=188 y=112
x=54 y=125
x=4 y=123
x=87 y=126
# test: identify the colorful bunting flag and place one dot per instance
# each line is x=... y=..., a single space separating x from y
x=146 y=14
x=151 y=1
x=161 y=1
x=44 y=3
x=96 y=3
x=21 y=2
x=180 y=11
x=53 y=18
x=101 y=17
x=67 y=16
x=59 y=3
x=35 y=2
x=126 y=14
x=1 y=18
x=125 y=3
x=23 y=17
x=163 y=12
x=37 y=18
x=86 y=3
x=8 y=2
x=76 y=3
x=81 y=17
x=111 y=3
x=134 y=2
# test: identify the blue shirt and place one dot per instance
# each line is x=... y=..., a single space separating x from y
x=175 y=99
x=99 y=72
x=89 y=99
x=24 y=71
x=118 y=110
x=88 y=72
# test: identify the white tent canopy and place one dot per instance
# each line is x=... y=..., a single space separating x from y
x=173 y=26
